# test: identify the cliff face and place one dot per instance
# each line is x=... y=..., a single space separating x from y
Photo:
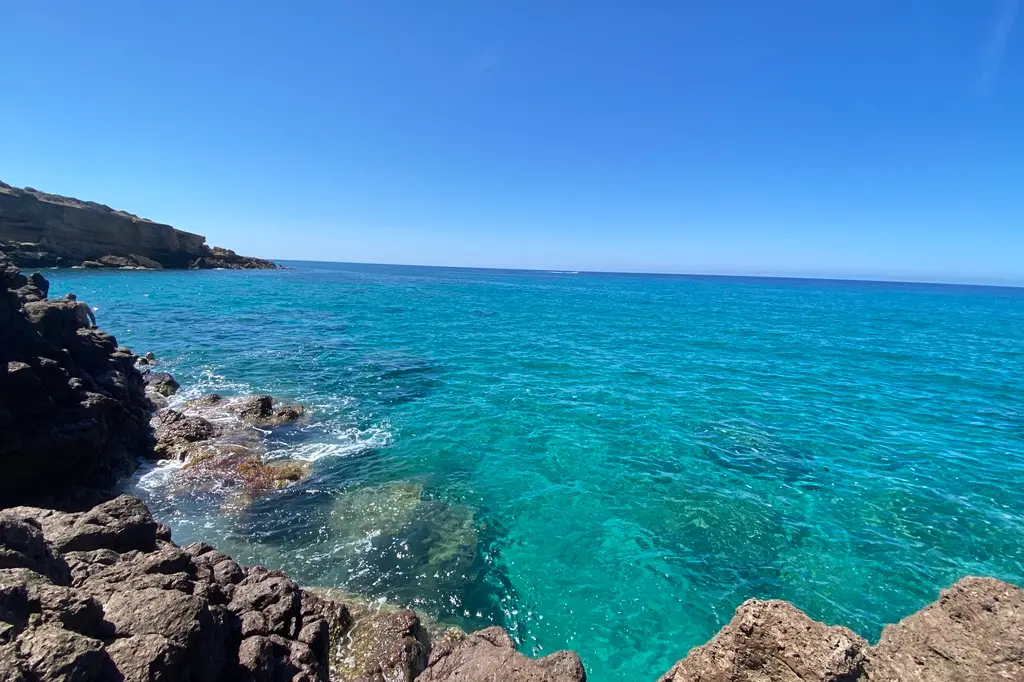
x=40 y=230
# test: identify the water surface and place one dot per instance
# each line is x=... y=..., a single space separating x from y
x=607 y=463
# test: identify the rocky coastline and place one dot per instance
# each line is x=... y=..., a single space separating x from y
x=42 y=230
x=92 y=587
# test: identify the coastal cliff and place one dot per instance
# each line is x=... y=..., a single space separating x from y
x=38 y=229
x=92 y=587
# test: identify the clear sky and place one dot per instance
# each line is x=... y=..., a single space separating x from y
x=866 y=138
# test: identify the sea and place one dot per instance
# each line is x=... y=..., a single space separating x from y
x=609 y=463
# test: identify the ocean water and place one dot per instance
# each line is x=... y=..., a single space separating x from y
x=606 y=463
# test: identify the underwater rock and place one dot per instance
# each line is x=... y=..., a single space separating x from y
x=237 y=466
x=381 y=646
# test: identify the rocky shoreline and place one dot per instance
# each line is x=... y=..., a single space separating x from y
x=42 y=230
x=93 y=588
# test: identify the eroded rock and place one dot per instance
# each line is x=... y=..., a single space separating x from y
x=973 y=633
x=490 y=655
x=773 y=640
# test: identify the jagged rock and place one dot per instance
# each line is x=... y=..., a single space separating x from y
x=774 y=641
x=48 y=230
x=382 y=646
x=973 y=633
x=490 y=655
x=260 y=411
x=137 y=607
x=176 y=433
x=161 y=382
x=73 y=409
x=52 y=653
x=22 y=545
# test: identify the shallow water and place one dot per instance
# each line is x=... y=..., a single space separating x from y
x=605 y=463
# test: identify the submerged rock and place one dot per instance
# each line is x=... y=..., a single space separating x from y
x=236 y=466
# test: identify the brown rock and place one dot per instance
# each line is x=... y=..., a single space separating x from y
x=386 y=646
x=490 y=655
x=176 y=432
x=144 y=658
x=773 y=641
x=973 y=633
x=51 y=653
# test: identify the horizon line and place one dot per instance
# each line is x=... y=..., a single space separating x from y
x=568 y=271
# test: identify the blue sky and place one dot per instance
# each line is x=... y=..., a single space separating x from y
x=868 y=138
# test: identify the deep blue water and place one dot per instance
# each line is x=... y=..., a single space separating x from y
x=608 y=463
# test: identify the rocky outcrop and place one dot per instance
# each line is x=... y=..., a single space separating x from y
x=974 y=633
x=73 y=410
x=38 y=229
x=490 y=655
x=105 y=595
x=223 y=440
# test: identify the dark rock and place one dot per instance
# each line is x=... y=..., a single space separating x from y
x=176 y=432
x=22 y=545
x=161 y=382
x=260 y=411
x=72 y=406
x=773 y=640
x=122 y=524
x=973 y=633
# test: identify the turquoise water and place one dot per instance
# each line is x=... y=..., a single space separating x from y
x=605 y=463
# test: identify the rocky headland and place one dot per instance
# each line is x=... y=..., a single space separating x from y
x=92 y=587
x=41 y=230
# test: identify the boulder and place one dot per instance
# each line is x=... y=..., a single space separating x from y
x=973 y=633
x=490 y=655
x=137 y=607
x=176 y=433
x=382 y=646
x=261 y=412
x=774 y=641
x=162 y=383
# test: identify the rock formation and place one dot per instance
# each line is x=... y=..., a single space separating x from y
x=47 y=230
x=974 y=633
x=105 y=595
x=73 y=410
